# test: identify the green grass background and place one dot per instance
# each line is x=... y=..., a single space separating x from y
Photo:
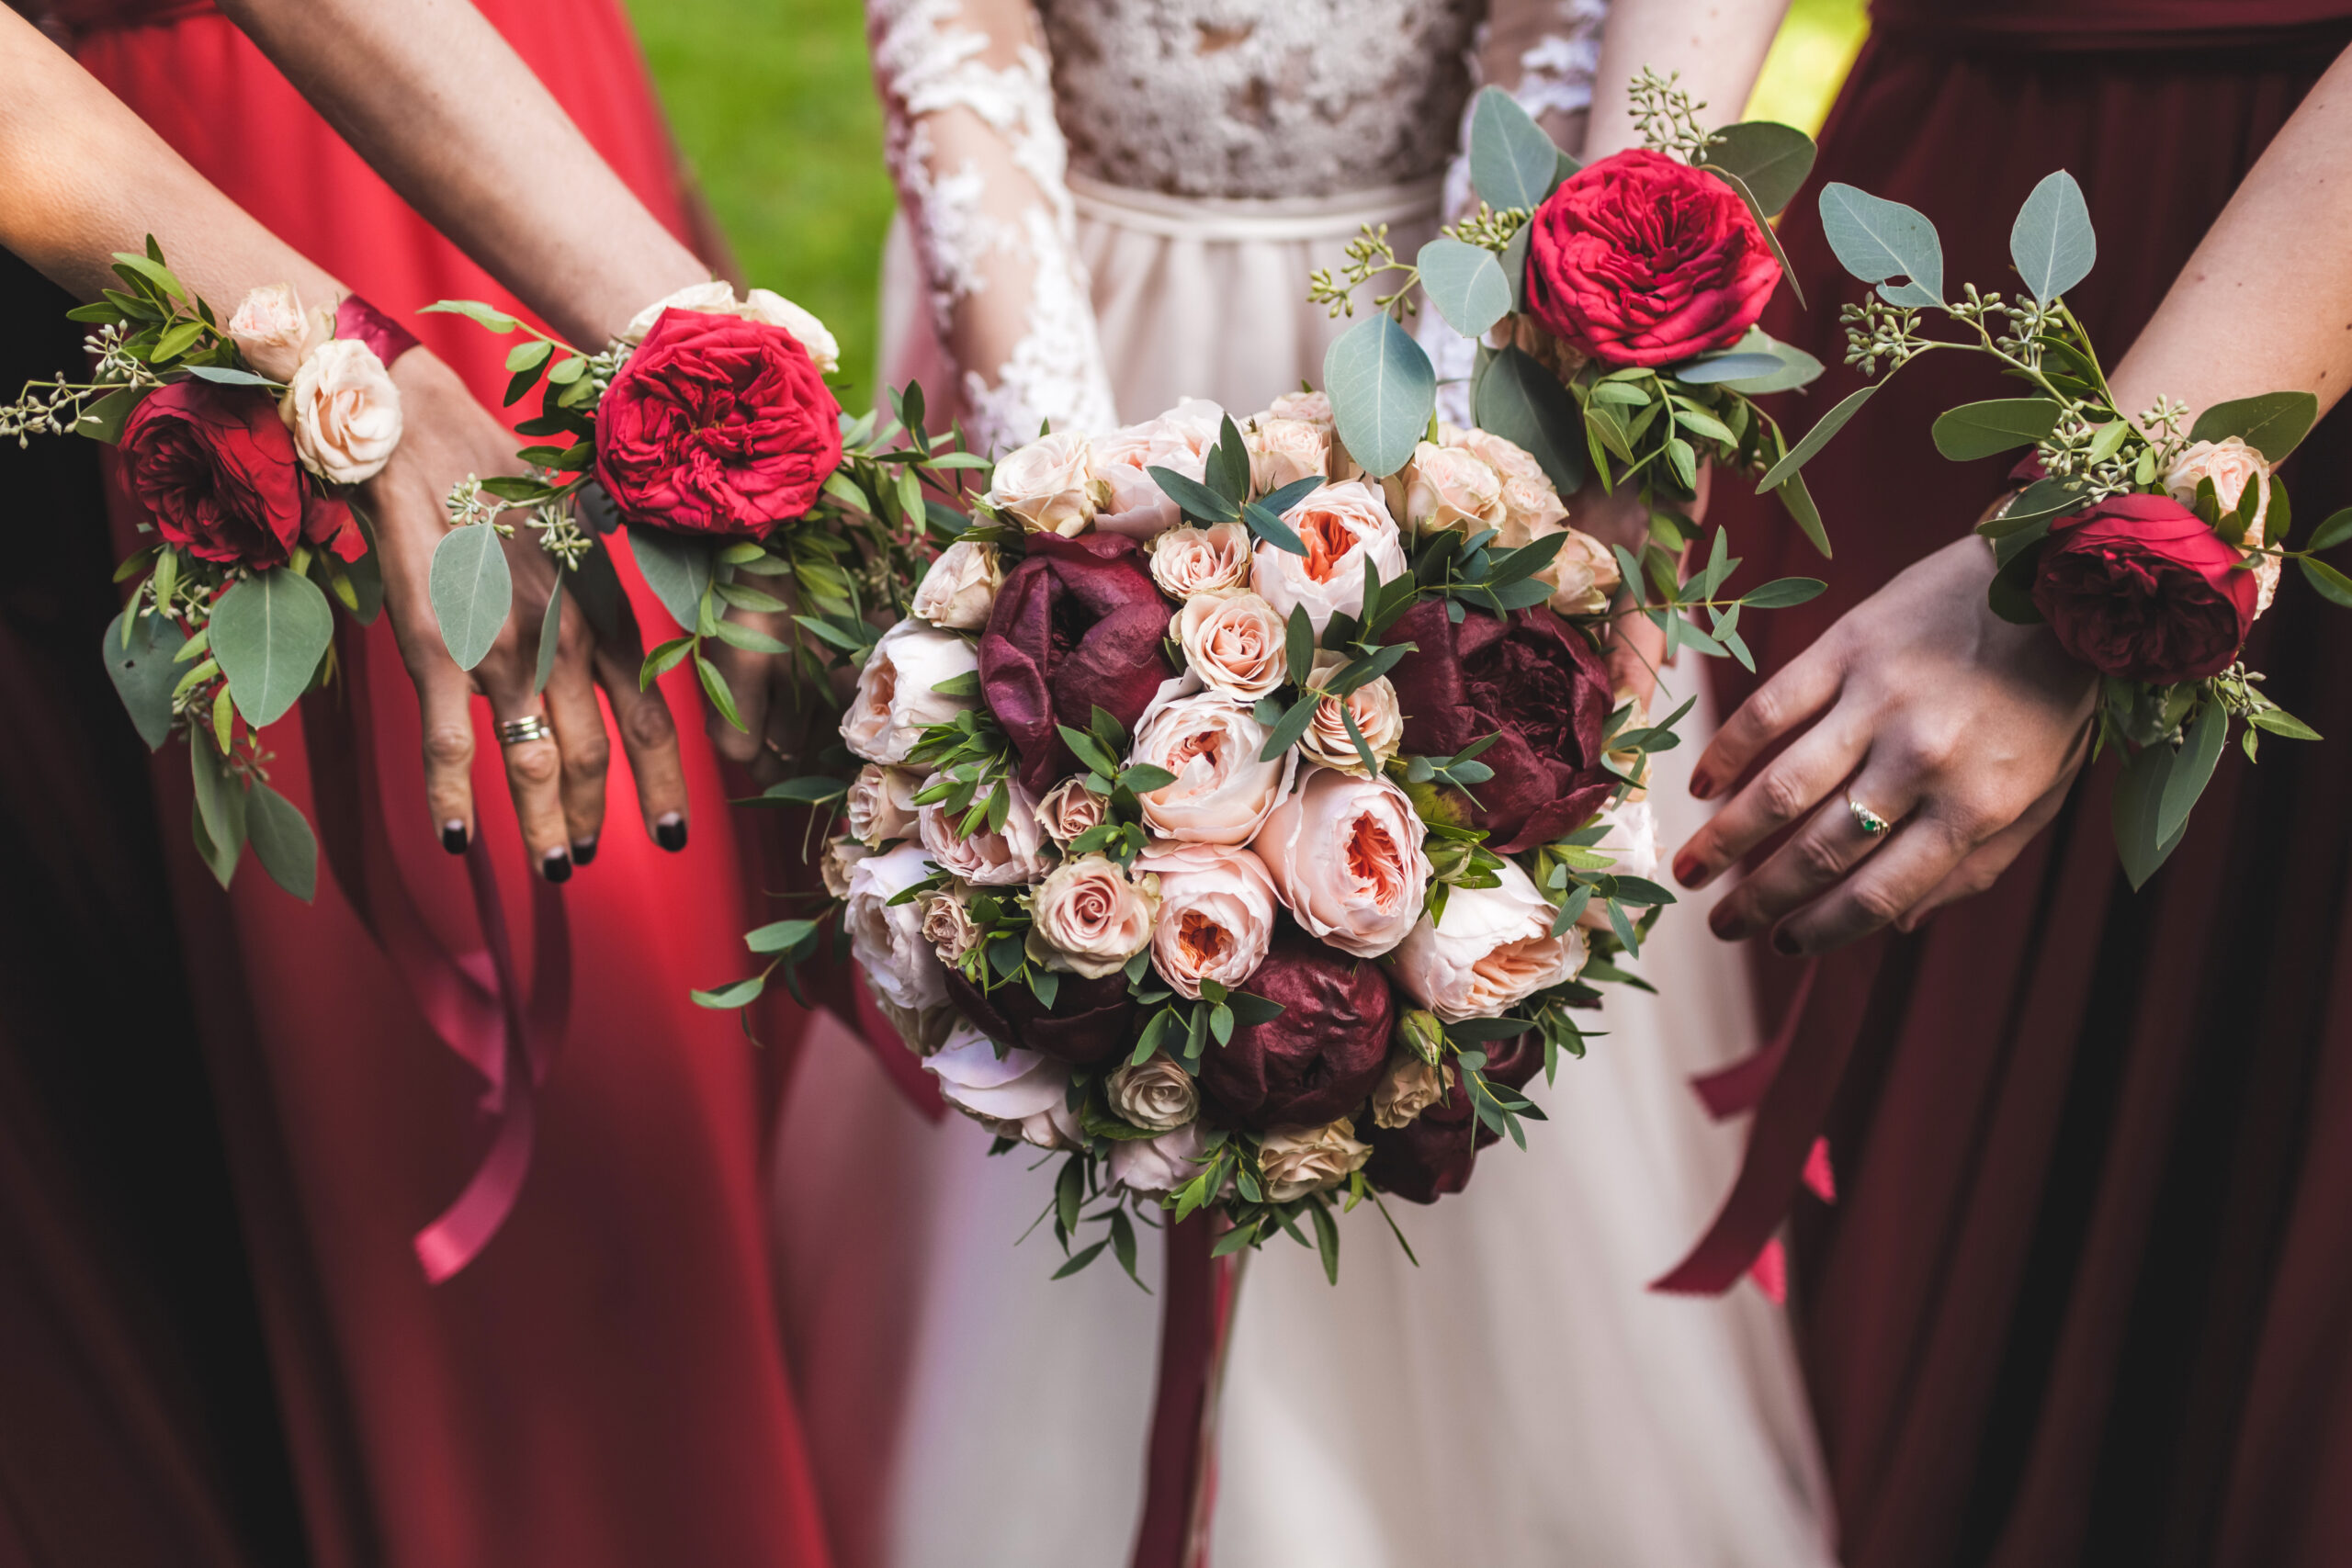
x=774 y=110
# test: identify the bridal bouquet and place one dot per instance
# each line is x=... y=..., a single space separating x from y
x=240 y=444
x=2149 y=549
x=1245 y=828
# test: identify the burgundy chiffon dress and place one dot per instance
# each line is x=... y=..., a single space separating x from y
x=2087 y=1293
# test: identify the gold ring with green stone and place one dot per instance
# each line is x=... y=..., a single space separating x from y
x=1869 y=821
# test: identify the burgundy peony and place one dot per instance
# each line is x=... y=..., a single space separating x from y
x=1432 y=1155
x=214 y=468
x=1087 y=1025
x=1637 y=259
x=717 y=425
x=1077 y=623
x=2141 y=588
x=1537 y=682
x=1320 y=1057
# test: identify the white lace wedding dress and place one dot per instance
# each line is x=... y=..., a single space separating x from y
x=1107 y=205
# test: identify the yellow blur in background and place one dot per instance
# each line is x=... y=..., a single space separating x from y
x=774 y=107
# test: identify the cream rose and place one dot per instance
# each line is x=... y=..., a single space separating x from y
x=840 y=858
x=1284 y=451
x=1012 y=858
x=1529 y=507
x=718 y=298
x=1046 y=486
x=1299 y=1160
x=1020 y=1094
x=344 y=412
x=1632 y=840
x=1234 y=644
x=1346 y=857
x=1156 y=1166
x=2232 y=465
x=1189 y=562
x=1583 y=575
x=1221 y=791
x=1493 y=949
x=887 y=940
x=1374 y=708
x=1089 y=917
x=1409 y=1087
x=1216 y=914
x=1133 y=503
x=895 y=697
x=1342 y=525
x=1069 y=809
x=1156 y=1094
x=272 y=331
x=959 y=590
x=1315 y=408
x=1448 y=488
x=1507 y=459
x=947 y=925
x=881 y=804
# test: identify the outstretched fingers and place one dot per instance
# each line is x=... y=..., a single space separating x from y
x=1791 y=698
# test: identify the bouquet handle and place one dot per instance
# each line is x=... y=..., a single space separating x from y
x=1196 y=1326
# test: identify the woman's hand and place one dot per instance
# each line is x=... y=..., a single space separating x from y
x=558 y=779
x=1961 y=729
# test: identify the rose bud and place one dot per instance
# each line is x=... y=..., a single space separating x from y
x=947 y=925
x=1342 y=525
x=1640 y=259
x=345 y=412
x=1069 y=809
x=1078 y=625
x=1216 y=915
x=1300 y=1160
x=272 y=331
x=1045 y=485
x=717 y=425
x=1633 y=839
x=1536 y=683
x=1017 y=1095
x=1315 y=408
x=214 y=470
x=959 y=590
x=886 y=940
x=1189 y=563
x=1492 y=949
x=1447 y=487
x=2138 y=587
x=1421 y=1032
x=1177 y=441
x=1089 y=917
x=1346 y=857
x=718 y=298
x=1086 y=1026
x=1584 y=575
x=1378 y=719
x=1319 y=1056
x=1234 y=644
x=1432 y=1155
x=1284 y=451
x=2232 y=465
x=1409 y=1087
x=881 y=804
x=1157 y=1167
x=1010 y=858
x=1221 y=792
x=840 y=857
x=896 y=695
x=1157 y=1095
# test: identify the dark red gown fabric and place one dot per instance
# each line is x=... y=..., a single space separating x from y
x=2086 y=1296
x=605 y=1385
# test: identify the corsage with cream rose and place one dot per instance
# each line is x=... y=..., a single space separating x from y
x=239 y=442
x=2148 y=544
x=1247 y=828
x=707 y=430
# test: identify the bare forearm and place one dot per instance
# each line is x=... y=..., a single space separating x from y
x=1717 y=46
x=435 y=100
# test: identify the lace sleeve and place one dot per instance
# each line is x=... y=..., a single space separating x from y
x=978 y=160
x=1545 y=53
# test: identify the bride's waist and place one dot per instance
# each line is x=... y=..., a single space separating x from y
x=1276 y=217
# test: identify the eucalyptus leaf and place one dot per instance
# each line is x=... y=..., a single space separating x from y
x=1732 y=366
x=472 y=591
x=1772 y=158
x=2333 y=531
x=2139 y=795
x=550 y=630
x=1797 y=497
x=1465 y=282
x=103 y=419
x=1998 y=425
x=1525 y=404
x=1792 y=366
x=1514 y=265
x=2332 y=584
x=2192 y=769
x=1782 y=592
x=2273 y=423
x=282 y=842
x=1382 y=388
x=1877 y=240
x=143 y=672
x=2051 y=241
x=224 y=376
x=677 y=568
x=219 y=809
x=1512 y=162
x=269 y=633
x=1817 y=438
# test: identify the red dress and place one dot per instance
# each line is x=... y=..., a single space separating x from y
x=2086 y=1297
x=604 y=1385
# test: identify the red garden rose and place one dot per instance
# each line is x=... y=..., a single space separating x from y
x=1077 y=623
x=1534 y=679
x=717 y=425
x=2142 y=588
x=1637 y=259
x=1320 y=1056
x=214 y=468
x=1432 y=1155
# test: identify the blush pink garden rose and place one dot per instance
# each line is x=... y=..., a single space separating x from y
x=1346 y=858
x=948 y=926
x=1342 y=525
x=886 y=940
x=1373 y=706
x=2232 y=465
x=345 y=412
x=1018 y=1094
x=1234 y=643
x=1216 y=915
x=1492 y=949
x=1284 y=451
x=1069 y=809
x=1156 y=1166
x=1089 y=917
x=1012 y=858
x=1048 y=486
x=1132 y=502
x=1448 y=488
x=1507 y=459
x=881 y=804
x=1189 y=562
x=895 y=696
x=1221 y=792
x=959 y=590
x=272 y=331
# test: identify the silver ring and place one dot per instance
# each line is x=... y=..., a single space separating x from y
x=1869 y=821
x=520 y=731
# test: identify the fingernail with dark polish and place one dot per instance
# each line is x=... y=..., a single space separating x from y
x=1688 y=871
x=670 y=832
x=1701 y=786
x=1785 y=945
x=584 y=851
x=557 y=867
x=453 y=837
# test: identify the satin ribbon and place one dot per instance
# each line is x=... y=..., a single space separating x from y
x=385 y=337
x=1180 y=1465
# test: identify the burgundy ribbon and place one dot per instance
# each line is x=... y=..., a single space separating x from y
x=385 y=337
x=1179 y=1476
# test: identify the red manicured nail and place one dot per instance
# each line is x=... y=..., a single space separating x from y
x=1701 y=786
x=1689 y=871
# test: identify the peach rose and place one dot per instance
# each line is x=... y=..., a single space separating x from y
x=1157 y=1095
x=1448 y=488
x=1300 y=1160
x=1216 y=915
x=1409 y=1087
x=344 y=412
x=1189 y=562
x=273 y=333
x=1315 y=408
x=1507 y=459
x=947 y=925
x=1010 y=858
x=1234 y=644
x=1069 y=809
x=959 y=590
x=1046 y=486
x=1374 y=707
x=1342 y=526
x=1583 y=575
x=1493 y=949
x=1089 y=917
x=1529 y=507
x=886 y=940
x=1017 y=1094
x=881 y=804
x=1284 y=451
x=1156 y=1166
x=1179 y=441
x=895 y=697
x=718 y=298
x=1221 y=792
x=1345 y=854
x=2232 y=465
